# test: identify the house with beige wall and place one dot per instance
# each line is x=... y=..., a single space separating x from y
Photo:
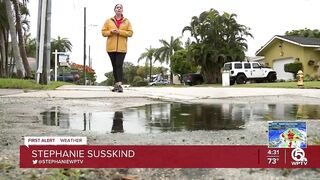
x=281 y=50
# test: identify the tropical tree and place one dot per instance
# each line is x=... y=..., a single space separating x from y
x=304 y=33
x=17 y=5
x=142 y=71
x=216 y=39
x=30 y=46
x=180 y=64
x=164 y=53
x=129 y=71
x=14 y=42
x=19 y=19
x=110 y=79
x=194 y=29
x=61 y=45
x=25 y=14
x=4 y=33
x=148 y=56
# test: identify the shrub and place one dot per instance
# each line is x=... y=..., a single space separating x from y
x=293 y=68
x=308 y=78
x=138 y=81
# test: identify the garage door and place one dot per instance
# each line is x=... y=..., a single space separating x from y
x=278 y=66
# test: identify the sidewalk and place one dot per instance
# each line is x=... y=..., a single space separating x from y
x=4 y=92
x=165 y=93
x=76 y=91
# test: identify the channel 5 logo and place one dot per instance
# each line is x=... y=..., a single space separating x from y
x=299 y=157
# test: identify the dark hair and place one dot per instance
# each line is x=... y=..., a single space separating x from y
x=117 y=5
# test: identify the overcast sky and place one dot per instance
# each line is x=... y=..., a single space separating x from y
x=160 y=19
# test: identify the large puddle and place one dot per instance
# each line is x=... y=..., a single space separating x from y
x=157 y=118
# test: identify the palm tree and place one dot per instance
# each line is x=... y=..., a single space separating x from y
x=15 y=47
x=22 y=49
x=30 y=45
x=61 y=44
x=148 y=55
x=25 y=23
x=4 y=27
x=218 y=39
x=164 y=53
x=193 y=28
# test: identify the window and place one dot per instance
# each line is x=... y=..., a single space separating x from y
x=255 y=65
x=247 y=65
x=237 y=65
x=227 y=67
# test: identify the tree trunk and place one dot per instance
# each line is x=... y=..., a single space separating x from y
x=150 y=79
x=12 y=28
x=212 y=75
x=22 y=48
x=2 y=55
x=217 y=74
x=208 y=76
x=4 y=46
x=171 y=74
x=6 y=51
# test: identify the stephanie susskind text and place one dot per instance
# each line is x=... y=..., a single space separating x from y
x=89 y=153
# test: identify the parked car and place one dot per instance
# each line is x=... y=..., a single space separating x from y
x=159 y=82
x=242 y=71
x=192 y=79
x=72 y=77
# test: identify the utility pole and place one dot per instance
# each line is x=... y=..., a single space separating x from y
x=84 y=44
x=90 y=62
x=46 y=64
x=43 y=42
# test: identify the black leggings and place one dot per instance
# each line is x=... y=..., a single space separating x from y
x=117 y=59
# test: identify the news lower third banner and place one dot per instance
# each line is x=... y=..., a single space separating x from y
x=165 y=156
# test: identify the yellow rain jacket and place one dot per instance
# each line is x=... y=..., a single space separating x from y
x=117 y=42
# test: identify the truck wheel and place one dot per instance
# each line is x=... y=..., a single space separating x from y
x=271 y=77
x=232 y=82
x=241 y=79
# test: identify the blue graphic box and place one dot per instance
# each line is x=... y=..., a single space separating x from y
x=287 y=134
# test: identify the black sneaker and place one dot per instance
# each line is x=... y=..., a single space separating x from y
x=120 y=89
x=115 y=88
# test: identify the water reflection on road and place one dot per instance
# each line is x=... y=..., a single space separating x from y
x=157 y=118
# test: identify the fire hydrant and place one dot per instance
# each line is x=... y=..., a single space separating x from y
x=300 y=78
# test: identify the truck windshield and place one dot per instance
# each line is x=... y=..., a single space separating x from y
x=227 y=67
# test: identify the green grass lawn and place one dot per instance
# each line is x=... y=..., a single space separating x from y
x=6 y=83
x=307 y=85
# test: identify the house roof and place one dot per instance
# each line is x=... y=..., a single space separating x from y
x=256 y=58
x=300 y=41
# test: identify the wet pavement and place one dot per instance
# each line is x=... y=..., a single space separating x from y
x=166 y=117
x=177 y=116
